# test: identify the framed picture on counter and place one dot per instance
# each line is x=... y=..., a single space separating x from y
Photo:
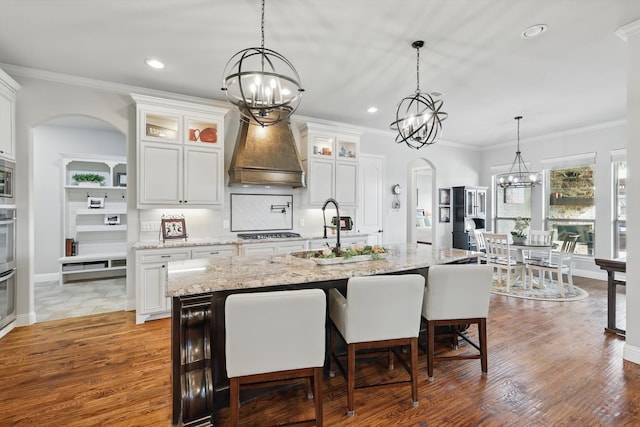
x=173 y=228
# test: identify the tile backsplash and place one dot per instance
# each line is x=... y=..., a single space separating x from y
x=261 y=212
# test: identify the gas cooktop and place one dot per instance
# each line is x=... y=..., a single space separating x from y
x=268 y=235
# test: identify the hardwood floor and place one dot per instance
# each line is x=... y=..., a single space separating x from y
x=550 y=364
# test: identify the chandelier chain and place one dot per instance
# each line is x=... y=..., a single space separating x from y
x=418 y=70
x=262 y=34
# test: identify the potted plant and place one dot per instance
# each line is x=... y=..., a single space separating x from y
x=89 y=179
x=518 y=234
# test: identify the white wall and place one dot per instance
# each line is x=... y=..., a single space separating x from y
x=49 y=142
x=632 y=344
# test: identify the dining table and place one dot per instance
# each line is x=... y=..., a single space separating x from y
x=520 y=249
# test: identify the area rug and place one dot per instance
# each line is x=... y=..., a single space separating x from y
x=547 y=293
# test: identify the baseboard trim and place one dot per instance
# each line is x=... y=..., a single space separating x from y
x=631 y=353
x=46 y=277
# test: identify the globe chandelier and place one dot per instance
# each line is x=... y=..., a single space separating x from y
x=519 y=176
x=262 y=84
x=418 y=116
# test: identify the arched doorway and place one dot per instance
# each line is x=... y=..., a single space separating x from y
x=421 y=227
x=57 y=139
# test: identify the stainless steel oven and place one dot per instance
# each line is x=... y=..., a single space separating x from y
x=7 y=239
x=6 y=182
x=7 y=297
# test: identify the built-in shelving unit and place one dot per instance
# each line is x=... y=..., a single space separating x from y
x=95 y=217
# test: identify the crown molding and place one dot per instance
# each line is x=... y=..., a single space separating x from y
x=118 y=88
x=628 y=30
x=576 y=131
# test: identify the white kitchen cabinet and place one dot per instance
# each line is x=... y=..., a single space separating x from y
x=8 y=89
x=94 y=218
x=151 y=275
x=330 y=156
x=180 y=153
x=151 y=281
x=206 y=252
x=272 y=248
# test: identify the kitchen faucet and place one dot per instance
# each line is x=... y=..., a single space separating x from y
x=324 y=218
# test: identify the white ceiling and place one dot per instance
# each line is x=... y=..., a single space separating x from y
x=352 y=54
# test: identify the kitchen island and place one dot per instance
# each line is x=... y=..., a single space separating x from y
x=199 y=288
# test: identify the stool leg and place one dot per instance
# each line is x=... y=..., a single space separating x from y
x=430 y=349
x=234 y=401
x=332 y=350
x=482 y=335
x=317 y=387
x=414 y=371
x=351 y=378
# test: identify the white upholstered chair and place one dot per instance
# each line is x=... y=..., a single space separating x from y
x=379 y=312
x=499 y=257
x=478 y=236
x=457 y=295
x=561 y=266
x=275 y=336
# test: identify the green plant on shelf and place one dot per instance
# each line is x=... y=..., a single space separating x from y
x=88 y=177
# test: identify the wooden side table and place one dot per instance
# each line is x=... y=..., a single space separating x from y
x=612 y=266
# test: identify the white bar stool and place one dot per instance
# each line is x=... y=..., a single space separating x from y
x=275 y=337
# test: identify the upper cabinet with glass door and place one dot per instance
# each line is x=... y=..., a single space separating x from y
x=180 y=153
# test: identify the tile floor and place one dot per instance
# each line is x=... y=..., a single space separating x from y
x=55 y=301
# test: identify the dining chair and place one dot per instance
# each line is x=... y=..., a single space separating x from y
x=540 y=237
x=443 y=306
x=499 y=256
x=286 y=344
x=480 y=244
x=379 y=314
x=563 y=265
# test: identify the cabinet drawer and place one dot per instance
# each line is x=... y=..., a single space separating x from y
x=205 y=252
x=164 y=256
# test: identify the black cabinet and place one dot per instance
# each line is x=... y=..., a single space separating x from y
x=469 y=207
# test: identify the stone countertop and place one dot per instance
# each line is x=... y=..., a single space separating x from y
x=257 y=271
x=212 y=241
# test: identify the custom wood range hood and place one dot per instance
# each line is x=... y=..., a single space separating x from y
x=266 y=156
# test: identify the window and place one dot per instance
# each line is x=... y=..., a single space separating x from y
x=511 y=203
x=571 y=208
x=620 y=214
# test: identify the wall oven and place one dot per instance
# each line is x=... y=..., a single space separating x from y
x=7 y=265
x=6 y=182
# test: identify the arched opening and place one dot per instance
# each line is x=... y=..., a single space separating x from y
x=421 y=227
x=69 y=283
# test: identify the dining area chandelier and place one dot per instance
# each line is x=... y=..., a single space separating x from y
x=418 y=116
x=262 y=84
x=519 y=176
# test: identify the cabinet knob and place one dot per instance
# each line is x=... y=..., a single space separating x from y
x=165 y=256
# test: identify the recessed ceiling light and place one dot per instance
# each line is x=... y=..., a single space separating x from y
x=533 y=31
x=372 y=110
x=154 y=63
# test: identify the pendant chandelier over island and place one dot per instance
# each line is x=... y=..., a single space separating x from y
x=418 y=116
x=262 y=84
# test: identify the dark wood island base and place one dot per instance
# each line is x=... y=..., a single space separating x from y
x=200 y=386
